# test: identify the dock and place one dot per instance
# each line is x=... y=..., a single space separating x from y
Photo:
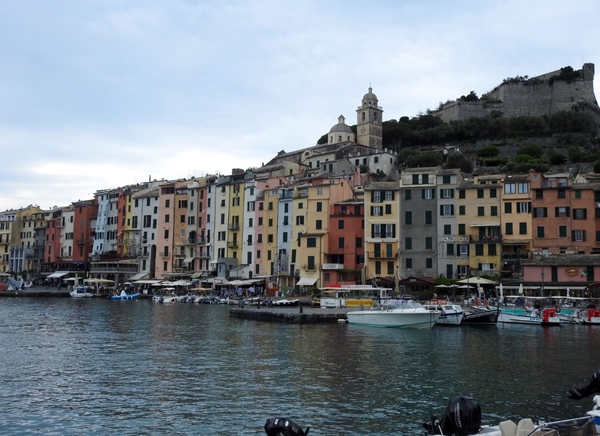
x=294 y=314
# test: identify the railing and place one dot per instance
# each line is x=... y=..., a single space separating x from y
x=509 y=256
x=333 y=266
x=485 y=238
x=380 y=255
x=204 y=255
x=202 y=241
x=232 y=244
x=234 y=226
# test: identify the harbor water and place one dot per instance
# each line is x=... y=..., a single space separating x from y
x=97 y=367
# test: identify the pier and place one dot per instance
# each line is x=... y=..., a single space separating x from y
x=294 y=314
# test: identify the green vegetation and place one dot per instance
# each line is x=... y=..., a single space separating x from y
x=566 y=73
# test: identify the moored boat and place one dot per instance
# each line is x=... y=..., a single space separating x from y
x=124 y=296
x=547 y=317
x=451 y=314
x=80 y=292
x=479 y=315
x=403 y=313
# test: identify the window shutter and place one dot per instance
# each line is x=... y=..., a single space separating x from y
x=441 y=210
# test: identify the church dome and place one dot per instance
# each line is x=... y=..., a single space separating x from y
x=369 y=99
x=341 y=126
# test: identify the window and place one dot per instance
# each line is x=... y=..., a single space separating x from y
x=508 y=228
x=408 y=243
x=494 y=210
x=376 y=210
x=561 y=193
x=562 y=231
x=340 y=224
x=376 y=197
x=407 y=194
x=310 y=264
x=461 y=229
x=427 y=194
x=541 y=232
x=446 y=180
x=319 y=224
x=378 y=267
x=462 y=193
x=319 y=206
x=166 y=234
x=493 y=193
x=480 y=211
x=428 y=217
x=540 y=212
x=447 y=229
x=390 y=268
x=479 y=193
x=389 y=196
x=462 y=210
x=359 y=243
x=167 y=218
x=539 y=194
x=299 y=220
x=578 y=235
x=408 y=263
x=408 y=218
x=415 y=179
x=577 y=193
x=478 y=249
x=341 y=243
x=428 y=243
x=464 y=250
x=523 y=207
x=523 y=188
x=579 y=214
x=446 y=193
x=270 y=238
x=510 y=188
x=311 y=242
x=449 y=249
x=446 y=209
x=522 y=228
x=561 y=211
x=428 y=262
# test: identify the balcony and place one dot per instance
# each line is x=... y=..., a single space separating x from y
x=485 y=238
x=232 y=244
x=380 y=255
x=330 y=266
x=234 y=226
x=204 y=255
x=301 y=194
x=202 y=241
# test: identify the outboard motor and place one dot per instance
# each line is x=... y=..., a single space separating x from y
x=581 y=390
x=461 y=418
x=284 y=427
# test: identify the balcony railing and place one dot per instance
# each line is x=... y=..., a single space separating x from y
x=234 y=226
x=202 y=241
x=333 y=266
x=204 y=255
x=485 y=238
x=380 y=255
x=232 y=244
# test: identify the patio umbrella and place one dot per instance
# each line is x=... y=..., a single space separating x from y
x=442 y=286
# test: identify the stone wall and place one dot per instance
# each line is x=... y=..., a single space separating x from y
x=533 y=97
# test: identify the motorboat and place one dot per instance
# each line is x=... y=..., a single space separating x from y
x=124 y=296
x=547 y=316
x=285 y=302
x=479 y=316
x=587 y=316
x=404 y=313
x=284 y=427
x=452 y=314
x=81 y=292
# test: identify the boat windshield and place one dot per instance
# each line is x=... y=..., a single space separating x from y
x=395 y=303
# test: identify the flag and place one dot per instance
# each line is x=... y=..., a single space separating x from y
x=584 y=272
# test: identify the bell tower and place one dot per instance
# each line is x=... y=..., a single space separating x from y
x=368 y=124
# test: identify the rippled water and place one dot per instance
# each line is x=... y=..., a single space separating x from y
x=99 y=367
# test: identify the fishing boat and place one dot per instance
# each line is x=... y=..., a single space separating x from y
x=403 y=313
x=545 y=317
x=124 y=296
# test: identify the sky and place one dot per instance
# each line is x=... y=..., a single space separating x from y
x=99 y=94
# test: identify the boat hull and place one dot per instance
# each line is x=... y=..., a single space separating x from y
x=481 y=317
x=124 y=297
x=511 y=318
x=394 y=319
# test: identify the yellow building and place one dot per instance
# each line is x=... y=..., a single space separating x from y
x=381 y=229
x=8 y=231
x=235 y=220
x=478 y=223
x=517 y=228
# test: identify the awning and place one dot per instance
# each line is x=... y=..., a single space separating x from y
x=58 y=274
x=485 y=224
x=138 y=276
x=188 y=259
x=196 y=275
x=307 y=281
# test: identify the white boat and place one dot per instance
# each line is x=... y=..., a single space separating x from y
x=402 y=314
x=452 y=314
x=547 y=317
x=285 y=302
x=80 y=292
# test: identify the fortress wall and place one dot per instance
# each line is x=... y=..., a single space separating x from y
x=519 y=99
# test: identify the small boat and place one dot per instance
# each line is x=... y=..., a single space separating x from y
x=452 y=314
x=547 y=317
x=480 y=315
x=80 y=292
x=285 y=302
x=588 y=316
x=124 y=296
x=404 y=313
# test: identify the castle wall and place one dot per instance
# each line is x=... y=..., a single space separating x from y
x=527 y=98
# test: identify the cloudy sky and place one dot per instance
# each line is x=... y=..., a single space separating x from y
x=98 y=94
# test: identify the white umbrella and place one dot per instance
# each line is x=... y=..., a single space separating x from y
x=521 y=288
x=501 y=291
x=442 y=286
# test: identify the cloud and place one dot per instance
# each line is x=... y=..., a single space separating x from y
x=100 y=94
